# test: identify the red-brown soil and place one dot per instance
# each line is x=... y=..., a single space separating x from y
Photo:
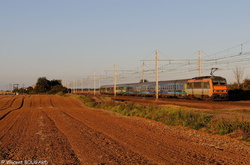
x=61 y=130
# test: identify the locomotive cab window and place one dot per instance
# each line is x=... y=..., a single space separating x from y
x=223 y=82
x=216 y=82
x=219 y=82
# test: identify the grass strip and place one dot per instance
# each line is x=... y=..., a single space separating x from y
x=176 y=116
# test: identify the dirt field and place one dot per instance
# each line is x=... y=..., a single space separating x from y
x=60 y=130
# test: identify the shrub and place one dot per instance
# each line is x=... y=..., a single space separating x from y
x=222 y=126
x=60 y=93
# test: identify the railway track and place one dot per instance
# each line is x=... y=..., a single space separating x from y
x=184 y=102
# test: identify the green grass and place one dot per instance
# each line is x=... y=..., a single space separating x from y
x=223 y=127
x=173 y=115
x=62 y=94
x=187 y=119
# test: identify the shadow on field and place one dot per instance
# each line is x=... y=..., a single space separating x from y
x=239 y=94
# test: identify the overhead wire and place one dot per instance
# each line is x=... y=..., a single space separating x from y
x=177 y=68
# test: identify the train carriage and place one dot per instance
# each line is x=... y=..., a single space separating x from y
x=204 y=87
x=174 y=88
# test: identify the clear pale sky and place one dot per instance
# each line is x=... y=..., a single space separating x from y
x=62 y=39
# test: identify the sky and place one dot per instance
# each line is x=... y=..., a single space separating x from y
x=62 y=39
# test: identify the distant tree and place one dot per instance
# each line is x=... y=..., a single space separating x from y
x=46 y=86
x=15 y=90
x=141 y=81
x=29 y=90
x=55 y=82
x=21 y=90
x=42 y=85
x=57 y=88
x=238 y=74
x=246 y=84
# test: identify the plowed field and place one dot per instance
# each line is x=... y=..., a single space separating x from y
x=61 y=130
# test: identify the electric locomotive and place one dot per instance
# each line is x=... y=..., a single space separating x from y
x=207 y=87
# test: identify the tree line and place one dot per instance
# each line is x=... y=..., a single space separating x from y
x=43 y=86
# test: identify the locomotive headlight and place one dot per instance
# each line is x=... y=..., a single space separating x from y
x=220 y=90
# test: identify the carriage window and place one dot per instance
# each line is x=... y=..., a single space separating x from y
x=197 y=85
x=206 y=85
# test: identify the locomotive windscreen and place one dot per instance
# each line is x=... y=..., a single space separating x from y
x=219 y=81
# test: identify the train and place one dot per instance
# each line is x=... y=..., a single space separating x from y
x=202 y=88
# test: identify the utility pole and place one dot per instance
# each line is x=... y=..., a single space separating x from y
x=88 y=84
x=74 y=85
x=156 y=75
x=99 y=86
x=82 y=85
x=199 y=63
x=115 y=73
x=143 y=73
x=94 y=83
x=71 y=86
x=114 y=80
x=15 y=86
